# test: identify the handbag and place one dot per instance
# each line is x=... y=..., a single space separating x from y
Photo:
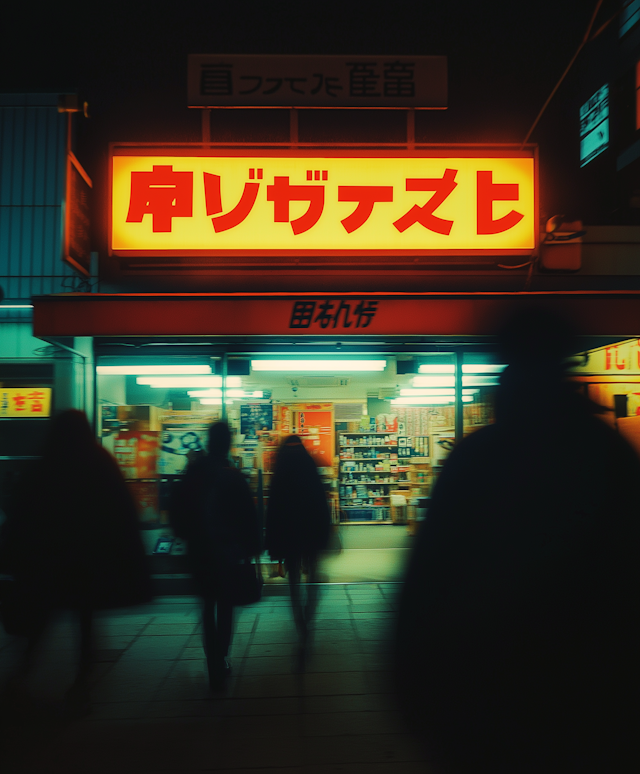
x=246 y=583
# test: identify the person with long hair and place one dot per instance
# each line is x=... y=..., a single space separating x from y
x=297 y=527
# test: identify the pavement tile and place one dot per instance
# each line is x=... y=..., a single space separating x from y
x=366 y=702
x=170 y=628
x=261 y=686
x=338 y=624
x=319 y=662
x=183 y=708
x=361 y=748
x=396 y=767
x=271 y=665
x=156 y=647
x=271 y=649
x=334 y=683
x=280 y=726
x=351 y=723
x=262 y=706
x=281 y=635
x=117 y=710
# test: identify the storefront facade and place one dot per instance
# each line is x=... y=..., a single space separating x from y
x=348 y=292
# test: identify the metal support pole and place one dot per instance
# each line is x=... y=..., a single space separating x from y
x=225 y=365
x=459 y=415
x=206 y=126
x=411 y=128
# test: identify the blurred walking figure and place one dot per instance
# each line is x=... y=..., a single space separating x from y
x=518 y=631
x=298 y=527
x=213 y=509
x=71 y=541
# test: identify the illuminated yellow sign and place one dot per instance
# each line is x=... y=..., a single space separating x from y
x=25 y=402
x=323 y=204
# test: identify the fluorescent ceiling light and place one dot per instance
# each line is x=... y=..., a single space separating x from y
x=471 y=368
x=214 y=402
x=449 y=381
x=483 y=368
x=318 y=365
x=16 y=306
x=186 y=382
x=441 y=368
x=233 y=393
x=435 y=400
x=426 y=392
x=140 y=370
x=433 y=381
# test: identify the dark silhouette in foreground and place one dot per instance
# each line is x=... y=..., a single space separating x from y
x=517 y=639
x=71 y=541
x=213 y=509
x=297 y=528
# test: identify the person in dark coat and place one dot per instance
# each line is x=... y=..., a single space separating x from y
x=298 y=526
x=213 y=509
x=517 y=635
x=71 y=541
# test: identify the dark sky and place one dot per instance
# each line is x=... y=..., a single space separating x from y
x=133 y=56
x=129 y=60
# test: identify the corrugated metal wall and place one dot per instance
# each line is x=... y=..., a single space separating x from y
x=32 y=185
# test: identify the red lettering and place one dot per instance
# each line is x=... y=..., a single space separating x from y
x=490 y=192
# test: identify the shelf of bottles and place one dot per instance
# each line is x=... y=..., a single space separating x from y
x=368 y=472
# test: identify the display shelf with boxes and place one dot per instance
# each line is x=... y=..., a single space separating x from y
x=368 y=470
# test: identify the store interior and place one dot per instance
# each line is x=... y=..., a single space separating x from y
x=379 y=426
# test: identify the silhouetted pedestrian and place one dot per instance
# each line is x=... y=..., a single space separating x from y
x=71 y=541
x=298 y=526
x=518 y=639
x=213 y=509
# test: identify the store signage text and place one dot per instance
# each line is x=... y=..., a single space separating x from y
x=338 y=313
x=25 y=402
x=620 y=358
x=317 y=81
x=240 y=205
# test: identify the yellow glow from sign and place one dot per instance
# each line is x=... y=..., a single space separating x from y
x=240 y=204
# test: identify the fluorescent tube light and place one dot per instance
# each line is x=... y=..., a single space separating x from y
x=433 y=381
x=485 y=368
x=476 y=380
x=408 y=392
x=435 y=400
x=233 y=393
x=140 y=370
x=214 y=402
x=435 y=368
x=318 y=365
x=187 y=382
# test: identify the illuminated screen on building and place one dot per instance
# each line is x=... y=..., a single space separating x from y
x=594 y=126
x=453 y=202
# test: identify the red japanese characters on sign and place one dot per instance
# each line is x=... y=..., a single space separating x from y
x=362 y=204
x=25 y=402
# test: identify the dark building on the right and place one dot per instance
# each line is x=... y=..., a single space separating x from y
x=590 y=132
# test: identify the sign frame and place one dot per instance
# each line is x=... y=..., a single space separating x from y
x=329 y=76
x=76 y=218
x=340 y=256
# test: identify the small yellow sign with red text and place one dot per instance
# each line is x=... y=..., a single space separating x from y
x=25 y=402
x=327 y=203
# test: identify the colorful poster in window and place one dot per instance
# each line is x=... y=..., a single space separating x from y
x=137 y=453
x=255 y=418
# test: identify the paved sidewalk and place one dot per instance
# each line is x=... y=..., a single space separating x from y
x=152 y=711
